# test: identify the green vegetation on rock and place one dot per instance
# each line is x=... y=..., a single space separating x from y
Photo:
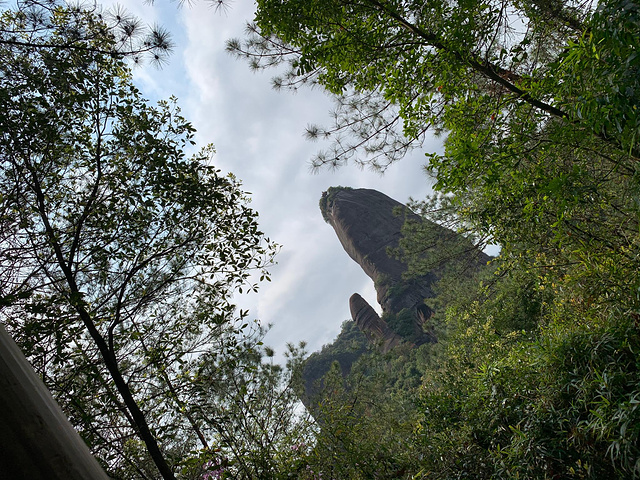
x=326 y=200
x=348 y=346
x=402 y=323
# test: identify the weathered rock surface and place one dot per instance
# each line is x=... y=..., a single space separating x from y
x=370 y=323
x=369 y=223
x=367 y=226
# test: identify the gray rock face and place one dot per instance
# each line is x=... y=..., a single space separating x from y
x=366 y=226
x=369 y=223
x=370 y=323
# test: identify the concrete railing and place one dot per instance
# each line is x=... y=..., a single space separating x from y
x=36 y=439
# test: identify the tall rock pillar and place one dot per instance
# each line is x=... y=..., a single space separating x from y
x=369 y=223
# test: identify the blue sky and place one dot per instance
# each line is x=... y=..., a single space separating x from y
x=258 y=135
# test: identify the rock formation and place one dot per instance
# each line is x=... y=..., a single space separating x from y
x=367 y=320
x=368 y=224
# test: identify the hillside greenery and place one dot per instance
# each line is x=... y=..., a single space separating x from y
x=349 y=345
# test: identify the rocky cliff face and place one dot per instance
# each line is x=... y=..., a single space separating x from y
x=369 y=322
x=368 y=224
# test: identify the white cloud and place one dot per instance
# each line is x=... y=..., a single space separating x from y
x=258 y=134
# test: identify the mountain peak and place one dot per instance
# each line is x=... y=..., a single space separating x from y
x=369 y=224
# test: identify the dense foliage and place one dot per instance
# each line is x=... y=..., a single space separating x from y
x=348 y=346
x=120 y=251
x=536 y=371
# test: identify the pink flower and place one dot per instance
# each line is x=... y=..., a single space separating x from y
x=214 y=474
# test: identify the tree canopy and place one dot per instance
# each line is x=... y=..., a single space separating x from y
x=54 y=25
x=421 y=65
x=537 y=105
x=120 y=250
x=122 y=245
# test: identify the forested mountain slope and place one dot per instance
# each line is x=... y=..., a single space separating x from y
x=369 y=226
